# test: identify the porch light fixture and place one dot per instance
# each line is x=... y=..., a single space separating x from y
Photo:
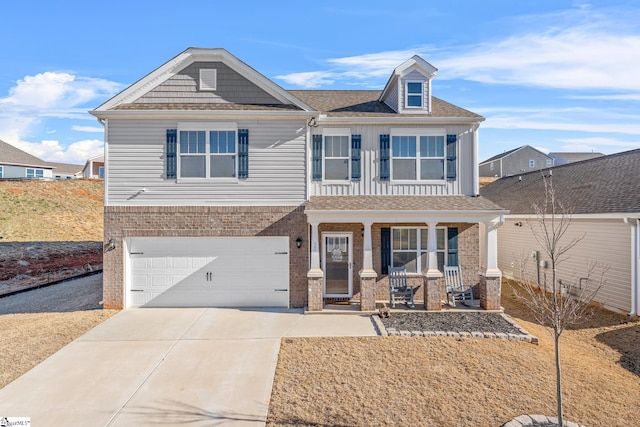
x=298 y=242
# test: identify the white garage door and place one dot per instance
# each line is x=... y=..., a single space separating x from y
x=208 y=272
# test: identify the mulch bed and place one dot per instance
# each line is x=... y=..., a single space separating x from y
x=456 y=322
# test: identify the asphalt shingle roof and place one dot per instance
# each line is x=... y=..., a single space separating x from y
x=400 y=203
x=609 y=184
x=10 y=155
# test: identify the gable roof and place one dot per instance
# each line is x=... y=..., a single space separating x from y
x=10 y=155
x=366 y=103
x=607 y=184
x=65 y=168
x=415 y=62
x=508 y=153
x=183 y=60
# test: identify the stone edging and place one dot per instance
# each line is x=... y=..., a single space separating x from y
x=537 y=420
x=522 y=336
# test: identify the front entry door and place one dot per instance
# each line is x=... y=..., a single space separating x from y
x=337 y=264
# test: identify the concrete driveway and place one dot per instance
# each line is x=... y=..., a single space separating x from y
x=168 y=366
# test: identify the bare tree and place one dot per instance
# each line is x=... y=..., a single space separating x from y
x=558 y=304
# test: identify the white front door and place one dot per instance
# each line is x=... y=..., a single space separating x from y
x=337 y=264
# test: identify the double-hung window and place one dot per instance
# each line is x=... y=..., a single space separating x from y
x=207 y=152
x=409 y=248
x=336 y=157
x=414 y=94
x=417 y=157
x=35 y=173
x=532 y=163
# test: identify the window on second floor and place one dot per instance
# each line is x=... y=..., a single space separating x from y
x=207 y=154
x=35 y=173
x=336 y=157
x=532 y=163
x=1 y=172
x=417 y=157
x=548 y=163
x=414 y=94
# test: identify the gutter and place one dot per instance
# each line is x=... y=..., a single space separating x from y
x=635 y=268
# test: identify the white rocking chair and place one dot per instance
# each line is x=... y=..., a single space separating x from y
x=456 y=289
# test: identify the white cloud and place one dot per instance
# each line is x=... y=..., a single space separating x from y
x=515 y=122
x=596 y=144
x=310 y=80
x=96 y=129
x=52 y=151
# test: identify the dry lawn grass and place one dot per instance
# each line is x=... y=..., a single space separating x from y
x=460 y=382
x=49 y=211
x=28 y=339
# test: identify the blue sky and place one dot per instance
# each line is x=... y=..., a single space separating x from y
x=557 y=75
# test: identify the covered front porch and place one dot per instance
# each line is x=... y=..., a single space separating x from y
x=355 y=239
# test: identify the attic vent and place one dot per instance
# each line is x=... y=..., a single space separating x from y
x=208 y=78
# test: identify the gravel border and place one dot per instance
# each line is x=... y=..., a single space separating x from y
x=452 y=324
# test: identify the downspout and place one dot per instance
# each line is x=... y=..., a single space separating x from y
x=635 y=269
x=476 y=170
x=105 y=125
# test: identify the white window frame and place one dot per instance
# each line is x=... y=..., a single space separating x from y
x=407 y=94
x=208 y=79
x=417 y=133
x=331 y=133
x=548 y=163
x=491 y=166
x=419 y=251
x=532 y=163
x=207 y=128
x=34 y=173
x=1 y=171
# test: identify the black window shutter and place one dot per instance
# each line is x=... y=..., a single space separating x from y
x=171 y=157
x=356 y=145
x=384 y=158
x=243 y=153
x=385 y=249
x=316 y=159
x=452 y=246
x=451 y=157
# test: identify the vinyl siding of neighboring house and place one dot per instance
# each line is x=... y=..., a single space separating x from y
x=370 y=184
x=605 y=241
x=514 y=163
x=13 y=171
x=136 y=153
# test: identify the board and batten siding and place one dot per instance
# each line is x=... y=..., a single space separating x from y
x=370 y=183
x=136 y=161
x=607 y=241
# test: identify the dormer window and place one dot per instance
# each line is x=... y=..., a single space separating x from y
x=414 y=94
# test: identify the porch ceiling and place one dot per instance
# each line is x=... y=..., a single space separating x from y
x=402 y=209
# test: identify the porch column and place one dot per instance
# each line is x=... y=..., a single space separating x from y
x=367 y=275
x=315 y=275
x=433 y=276
x=491 y=279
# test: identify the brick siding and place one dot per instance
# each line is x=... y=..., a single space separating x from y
x=204 y=221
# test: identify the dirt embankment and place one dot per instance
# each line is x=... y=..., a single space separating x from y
x=27 y=264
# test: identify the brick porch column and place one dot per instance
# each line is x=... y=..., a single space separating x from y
x=490 y=288
x=368 y=290
x=432 y=293
x=315 y=276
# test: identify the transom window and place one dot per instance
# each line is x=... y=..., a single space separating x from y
x=35 y=173
x=409 y=248
x=417 y=157
x=414 y=94
x=336 y=157
x=207 y=153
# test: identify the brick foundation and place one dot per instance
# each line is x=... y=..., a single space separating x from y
x=121 y=222
x=314 y=284
x=367 y=291
x=433 y=293
x=489 y=290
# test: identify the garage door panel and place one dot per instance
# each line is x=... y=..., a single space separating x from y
x=205 y=272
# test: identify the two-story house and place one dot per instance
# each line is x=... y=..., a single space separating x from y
x=224 y=189
x=519 y=160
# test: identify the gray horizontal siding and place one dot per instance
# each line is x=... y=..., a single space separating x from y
x=136 y=160
x=605 y=241
x=370 y=183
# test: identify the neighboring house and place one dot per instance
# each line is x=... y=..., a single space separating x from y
x=94 y=168
x=15 y=163
x=564 y=158
x=604 y=195
x=66 y=170
x=225 y=189
x=519 y=160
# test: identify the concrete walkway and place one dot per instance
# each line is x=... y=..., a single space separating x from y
x=197 y=366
